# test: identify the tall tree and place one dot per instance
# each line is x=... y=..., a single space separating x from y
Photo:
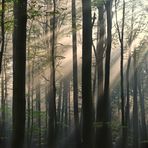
x=75 y=72
x=2 y=68
x=121 y=40
x=3 y=110
x=38 y=109
x=52 y=92
x=135 y=105
x=127 y=108
x=144 y=137
x=19 y=68
x=100 y=51
x=66 y=88
x=86 y=74
x=105 y=129
x=2 y=32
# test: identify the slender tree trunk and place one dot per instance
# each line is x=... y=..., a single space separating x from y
x=59 y=109
x=62 y=111
x=6 y=79
x=127 y=109
x=52 y=103
x=65 y=99
x=121 y=40
x=122 y=80
x=19 y=68
x=32 y=102
x=86 y=74
x=46 y=106
x=28 y=131
x=144 y=137
x=100 y=51
x=106 y=138
x=135 y=106
x=2 y=134
x=75 y=73
x=28 y=102
x=38 y=109
x=2 y=121
x=69 y=106
x=2 y=32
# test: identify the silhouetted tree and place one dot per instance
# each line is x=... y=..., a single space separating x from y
x=19 y=64
x=135 y=104
x=100 y=52
x=75 y=72
x=86 y=74
x=105 y=129
x=52 y=91
x=2 y=32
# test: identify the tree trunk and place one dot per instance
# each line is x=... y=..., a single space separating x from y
x=105 y=130
x=28 y=101
x=2 y=121
x=100 y=51
x=144 y=137
x=75 y=73
x=127 y=109
x=19 y=68
x=52 y=92
x=32 y=102
x=65 y=99
x=135 y=106
x=2 y=32
x=38 y=109
x=86 y=74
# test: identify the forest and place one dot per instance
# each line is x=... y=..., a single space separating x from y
x=73 y=74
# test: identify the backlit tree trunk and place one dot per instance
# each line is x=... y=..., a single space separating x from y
x=19 y=64
x=86 y=74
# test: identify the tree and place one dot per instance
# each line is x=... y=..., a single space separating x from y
x=38 y=109
x=2 y=32
x=86 y=74
x=135 y=105
x=3 y=101
x=106 y=138
x=142 y=112
x=2 y=72
x=75 y=73
x=52 y=91
x=19 y=64
x=100 y=52
x=121 y=40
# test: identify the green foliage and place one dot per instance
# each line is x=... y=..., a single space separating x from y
x=9 y=1
x=33 y=13
x=97 y=3
x=9 y=25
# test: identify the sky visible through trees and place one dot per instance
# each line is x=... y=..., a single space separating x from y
x=73 y=74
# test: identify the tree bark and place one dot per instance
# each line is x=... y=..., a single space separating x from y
x=100 y=51
x=121 y=40
x=127 y=109
x=106 y=138
x=135 y=106
x=144 y=137
x=52 y=92
x=38 y=109
x=75 y=74
x=86 y=74
x=19 y=68
x=2 y=32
